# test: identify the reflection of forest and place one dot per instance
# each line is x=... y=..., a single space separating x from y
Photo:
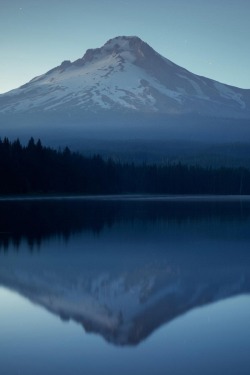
x=34 y=220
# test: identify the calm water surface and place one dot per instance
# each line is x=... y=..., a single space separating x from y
x=137 y=285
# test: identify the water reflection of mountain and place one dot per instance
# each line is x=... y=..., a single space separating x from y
x=128 y=266
x=36 y=220
x=126 y=304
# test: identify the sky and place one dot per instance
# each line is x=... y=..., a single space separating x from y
x=207 y=37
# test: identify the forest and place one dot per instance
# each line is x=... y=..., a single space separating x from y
x=36 y=169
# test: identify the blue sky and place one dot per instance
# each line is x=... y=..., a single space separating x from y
x=209 y=38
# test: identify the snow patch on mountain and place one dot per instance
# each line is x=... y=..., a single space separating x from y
x=199 y=92
x=227 y=92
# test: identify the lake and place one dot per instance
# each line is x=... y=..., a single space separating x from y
x=125 y=285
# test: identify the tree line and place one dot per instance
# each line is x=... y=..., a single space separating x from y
x=36 y=169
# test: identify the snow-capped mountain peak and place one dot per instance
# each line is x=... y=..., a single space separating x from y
x=122 y=46
x=125 y=74
x=125 y=87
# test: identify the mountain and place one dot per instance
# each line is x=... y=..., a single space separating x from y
x=125 y=89
x=126 y=74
